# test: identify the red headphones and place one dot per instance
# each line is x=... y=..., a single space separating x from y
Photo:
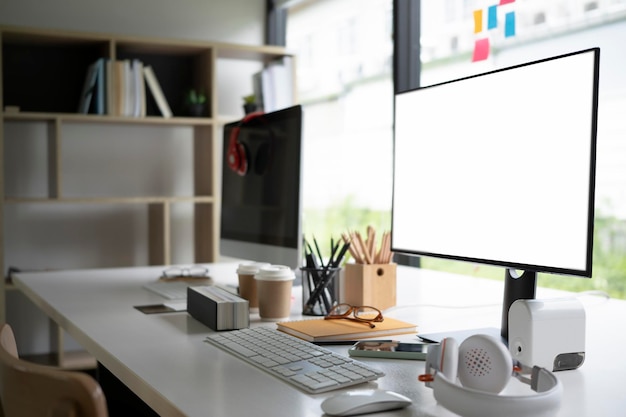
x=237 y=156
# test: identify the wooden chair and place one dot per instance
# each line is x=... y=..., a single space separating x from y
x=28 y=389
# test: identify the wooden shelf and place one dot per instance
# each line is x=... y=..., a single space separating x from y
x=93 y=118
x=51 y=97
x=110 y=200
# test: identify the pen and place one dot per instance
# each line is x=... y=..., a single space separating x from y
x=342 y=252
x=318 y=281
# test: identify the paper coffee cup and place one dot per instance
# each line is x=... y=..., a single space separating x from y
x=274 y=284
x=247 y=283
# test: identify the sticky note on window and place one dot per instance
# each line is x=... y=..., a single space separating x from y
x=481 y=50
x=492 y=17
x=478 y=21
x=509 y=24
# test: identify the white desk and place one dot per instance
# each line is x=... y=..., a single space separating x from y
x=163 y=359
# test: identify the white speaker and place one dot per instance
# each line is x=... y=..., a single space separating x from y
x=467 y=380
x=548 y=333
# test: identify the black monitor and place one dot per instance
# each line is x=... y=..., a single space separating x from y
x=499 y=169
x=261 y=201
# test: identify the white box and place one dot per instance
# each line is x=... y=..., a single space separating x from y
x=548 y=333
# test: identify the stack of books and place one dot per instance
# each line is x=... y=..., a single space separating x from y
x=273 y=86
x=117 y=88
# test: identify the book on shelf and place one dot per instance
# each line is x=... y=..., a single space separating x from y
x=89 y=88
x=111 y=88
x=118 y=88
x=114 y=87
x=273 y=86
x=257 y=89
x=320 y=330
x=129 y=96
x=139 y=109
x=128 y=99
x=282 y=71
x=99 y=97
x=157 y=92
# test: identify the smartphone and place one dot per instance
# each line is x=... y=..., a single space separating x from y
x=389 y=349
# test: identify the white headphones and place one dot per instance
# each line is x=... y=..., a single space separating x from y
x=484 y=367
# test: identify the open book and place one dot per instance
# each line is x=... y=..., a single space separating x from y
x=319 y=330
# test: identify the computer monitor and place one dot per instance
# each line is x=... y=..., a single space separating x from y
x=499 y=169
x=261 y=201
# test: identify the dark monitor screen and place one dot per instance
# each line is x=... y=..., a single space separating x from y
x=261 y=208
x=499 y=168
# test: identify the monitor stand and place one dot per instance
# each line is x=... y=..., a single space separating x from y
x=518 y=285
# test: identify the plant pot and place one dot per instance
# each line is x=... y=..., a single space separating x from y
x=196 y=110
x=249 y=108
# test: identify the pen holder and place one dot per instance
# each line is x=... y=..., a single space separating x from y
x=320 y=290
x=370 y=285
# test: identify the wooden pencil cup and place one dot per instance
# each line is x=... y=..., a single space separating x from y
x=370 y=285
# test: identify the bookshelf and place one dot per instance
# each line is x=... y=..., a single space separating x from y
x=43 y=72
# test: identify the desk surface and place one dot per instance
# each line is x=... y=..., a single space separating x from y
x=163 y=359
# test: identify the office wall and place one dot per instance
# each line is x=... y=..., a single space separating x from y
x=238 y=21
x=123 y=160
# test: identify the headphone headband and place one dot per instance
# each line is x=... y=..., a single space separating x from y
x=473 y=399
x=469 y=402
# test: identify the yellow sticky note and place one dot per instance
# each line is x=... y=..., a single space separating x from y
x=478 y=21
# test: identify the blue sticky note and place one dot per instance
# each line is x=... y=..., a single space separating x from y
x=492 y=17
x=509 y=24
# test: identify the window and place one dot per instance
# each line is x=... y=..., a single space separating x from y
x=543 y=29
x=346 y=89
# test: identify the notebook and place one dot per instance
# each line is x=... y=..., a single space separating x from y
x=320 y=330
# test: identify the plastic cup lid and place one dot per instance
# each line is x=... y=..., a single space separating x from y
x=275 y=273
x=251 y=268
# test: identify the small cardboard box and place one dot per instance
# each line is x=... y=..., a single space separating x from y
x=370 y=285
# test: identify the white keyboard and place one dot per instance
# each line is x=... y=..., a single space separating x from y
x=311 y=368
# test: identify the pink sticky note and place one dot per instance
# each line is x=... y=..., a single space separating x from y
x=506 y=2
x=481 y=50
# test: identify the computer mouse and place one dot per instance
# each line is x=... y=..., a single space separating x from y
x=351 y=403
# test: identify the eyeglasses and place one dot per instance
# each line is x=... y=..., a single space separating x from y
x=362 y=314
x=196 y=271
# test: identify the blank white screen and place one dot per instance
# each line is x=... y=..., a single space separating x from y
x=497 y=167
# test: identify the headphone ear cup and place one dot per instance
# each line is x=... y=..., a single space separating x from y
x=243 y=159
x=238 y=158
x=484 y=364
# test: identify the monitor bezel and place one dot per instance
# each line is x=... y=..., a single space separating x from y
x=587 y=271
x=290 y=251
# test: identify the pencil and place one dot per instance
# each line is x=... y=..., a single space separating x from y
x=353 y=251
x=363 y=248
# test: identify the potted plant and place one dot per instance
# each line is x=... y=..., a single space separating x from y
x=196 y=102
x=249 y=104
